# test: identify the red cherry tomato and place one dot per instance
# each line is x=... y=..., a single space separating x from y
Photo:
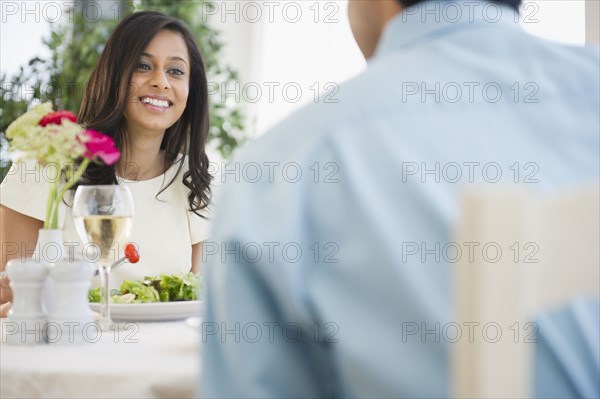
x=131 y=253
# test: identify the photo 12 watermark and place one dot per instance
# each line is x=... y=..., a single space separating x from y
x=34 y=172
x=67 y=332
x=274 y=171
x=274 y=92
x=470 y=172
x=470 y=11
x=470 y=252
x=471 y=332
x=54 y=252
x=270 y=252
x=469 y=92
x=55 y=12
x=289 y=12
x=270 y=332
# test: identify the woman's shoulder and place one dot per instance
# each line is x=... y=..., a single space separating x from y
x=25 y=188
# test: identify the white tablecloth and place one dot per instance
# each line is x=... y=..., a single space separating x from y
x=158 y=360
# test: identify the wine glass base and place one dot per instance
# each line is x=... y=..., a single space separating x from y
x=111 y=325
x=106 y=324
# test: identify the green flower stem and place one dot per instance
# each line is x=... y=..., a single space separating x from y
x=49 y=206
x=62 y=192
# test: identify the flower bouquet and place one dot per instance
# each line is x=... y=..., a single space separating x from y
x=55 y=140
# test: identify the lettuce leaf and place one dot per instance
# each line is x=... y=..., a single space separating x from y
x=163 y=288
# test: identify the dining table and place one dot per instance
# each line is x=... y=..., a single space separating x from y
x=134 y=360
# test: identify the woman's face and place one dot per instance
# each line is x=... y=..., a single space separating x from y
x=159 y=85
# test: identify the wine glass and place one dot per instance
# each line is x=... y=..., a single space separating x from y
x=103 y=216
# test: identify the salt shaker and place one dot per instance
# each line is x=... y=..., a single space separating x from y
x=71 y=320
x=27 y=319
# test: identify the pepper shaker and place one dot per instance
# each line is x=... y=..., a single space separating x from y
x=71 y=320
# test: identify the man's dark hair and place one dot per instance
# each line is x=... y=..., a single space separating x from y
x=512 y=3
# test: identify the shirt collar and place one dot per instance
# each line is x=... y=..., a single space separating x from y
x=429 y=19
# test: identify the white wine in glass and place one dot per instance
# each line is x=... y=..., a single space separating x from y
x=103 y=216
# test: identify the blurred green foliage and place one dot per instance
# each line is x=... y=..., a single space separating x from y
x=75 y=48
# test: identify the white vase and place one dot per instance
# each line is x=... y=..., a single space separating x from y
x=49 y=250
x=27 y=317
x=69 y=322
x=50 y=247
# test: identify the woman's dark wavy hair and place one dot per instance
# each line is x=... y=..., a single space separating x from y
x=512 y=3
x=108 y=91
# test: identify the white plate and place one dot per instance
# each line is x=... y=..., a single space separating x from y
x=159 y=311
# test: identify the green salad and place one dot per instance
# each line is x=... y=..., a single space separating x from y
x=164 y=288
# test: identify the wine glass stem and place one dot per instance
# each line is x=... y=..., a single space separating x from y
x=105 y=321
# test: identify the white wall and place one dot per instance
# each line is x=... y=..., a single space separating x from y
x=559 y=20
x=288 y=53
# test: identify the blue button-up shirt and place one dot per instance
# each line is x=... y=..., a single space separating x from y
x=329 y=271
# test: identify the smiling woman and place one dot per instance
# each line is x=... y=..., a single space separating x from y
x=149 y=93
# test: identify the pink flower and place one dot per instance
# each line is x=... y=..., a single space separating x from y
x=98 y=145
x=56 y=118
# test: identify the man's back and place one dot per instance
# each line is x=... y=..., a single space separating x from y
x=443 y=105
